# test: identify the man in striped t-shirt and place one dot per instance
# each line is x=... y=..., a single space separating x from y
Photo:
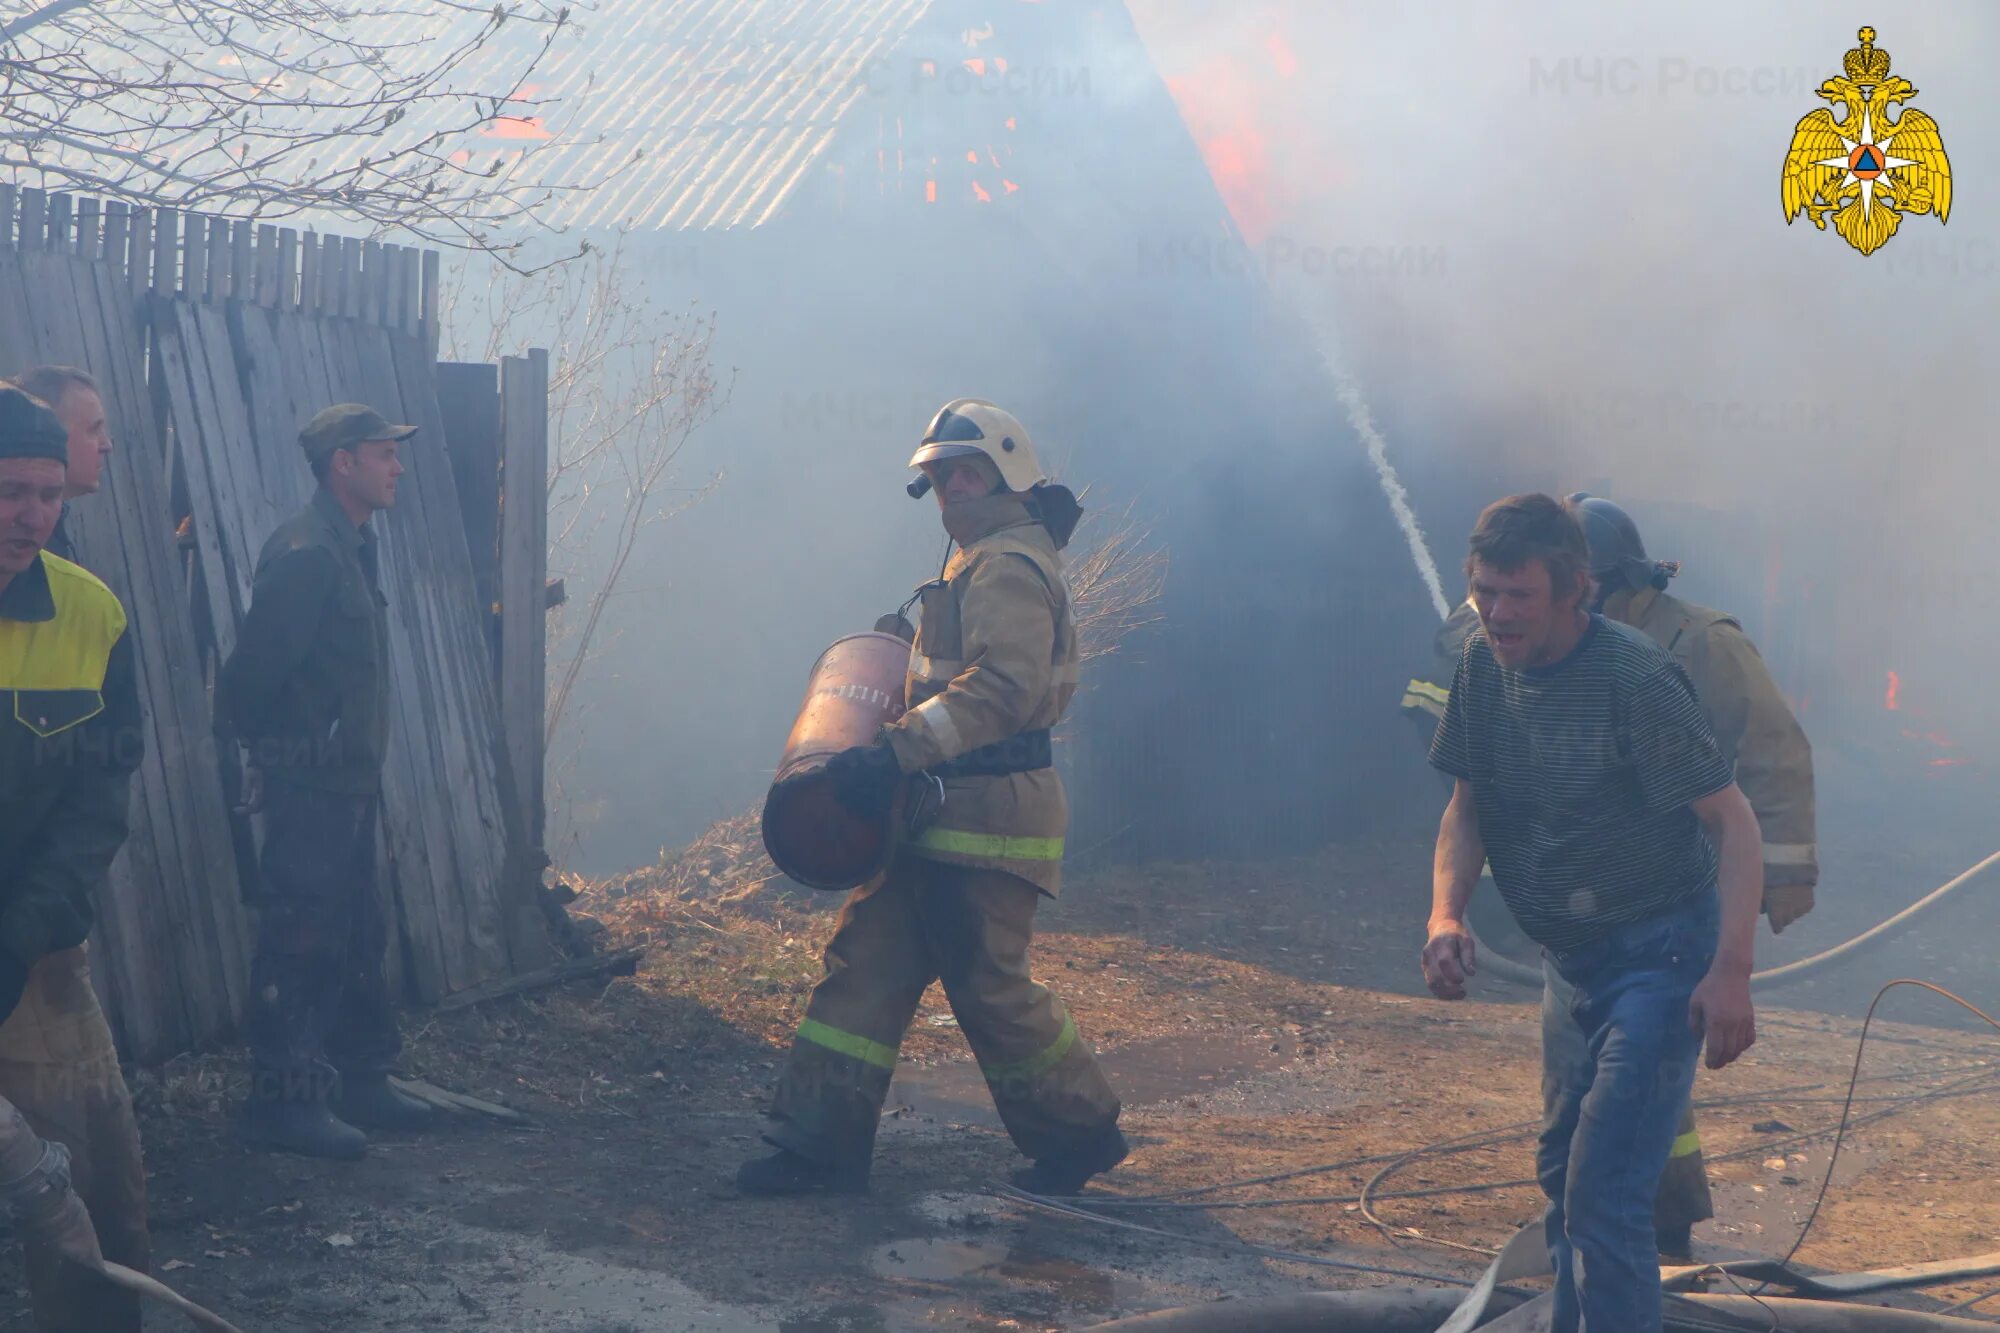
x=1585 y=772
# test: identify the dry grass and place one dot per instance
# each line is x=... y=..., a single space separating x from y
x=1115 y=583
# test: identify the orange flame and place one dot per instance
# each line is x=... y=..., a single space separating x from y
x=1219 y=104
x=979 y=193
x=930 y=192
x=1892 y=696
x=1011 y=187
x=978 y=66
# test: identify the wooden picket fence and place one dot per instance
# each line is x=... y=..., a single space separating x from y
x=214 y=341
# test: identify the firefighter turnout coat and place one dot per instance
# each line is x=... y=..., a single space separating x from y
x=995 y=657
x=1752 y=722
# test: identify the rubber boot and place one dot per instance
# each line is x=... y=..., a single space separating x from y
x=369 y=1100
x=1067 y=1173
x=785 y=1172
x=300 y=1125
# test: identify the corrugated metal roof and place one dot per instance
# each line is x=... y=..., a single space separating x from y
x=729 y=101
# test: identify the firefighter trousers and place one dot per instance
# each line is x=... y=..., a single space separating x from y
x=58 y=1066
x=969 y=928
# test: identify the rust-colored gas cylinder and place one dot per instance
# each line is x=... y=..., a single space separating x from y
x=855 y=687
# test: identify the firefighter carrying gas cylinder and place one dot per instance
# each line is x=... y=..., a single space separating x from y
x=1755 y=729
x=993 y=667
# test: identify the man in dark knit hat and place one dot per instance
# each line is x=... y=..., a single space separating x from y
x=70 y=737
x=307 y=693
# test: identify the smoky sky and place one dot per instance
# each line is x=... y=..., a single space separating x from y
x=1549 y=245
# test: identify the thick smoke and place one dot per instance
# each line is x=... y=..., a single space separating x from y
x=1547 y=242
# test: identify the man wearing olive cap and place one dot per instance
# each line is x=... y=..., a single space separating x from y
x=307 y=693
x=70 y=736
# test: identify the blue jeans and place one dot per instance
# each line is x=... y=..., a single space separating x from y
x=1611 y=1107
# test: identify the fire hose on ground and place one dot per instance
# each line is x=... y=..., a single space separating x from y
x=1494 y=1307
x=1499 y=965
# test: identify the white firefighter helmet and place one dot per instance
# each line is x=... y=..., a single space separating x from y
x=967 y=426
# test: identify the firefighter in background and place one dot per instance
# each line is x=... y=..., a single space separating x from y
x=993 y=668
x=1753 y=725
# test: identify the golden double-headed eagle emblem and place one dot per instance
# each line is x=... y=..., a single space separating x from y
x=1861 y=168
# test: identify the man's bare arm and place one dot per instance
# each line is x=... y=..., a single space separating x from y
x=1449 y=954
x=1721 y=1004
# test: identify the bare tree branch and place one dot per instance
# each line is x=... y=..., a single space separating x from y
x=407 y=116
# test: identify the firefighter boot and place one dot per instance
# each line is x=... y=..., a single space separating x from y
x=785 y=1172
x=1067 y=1173
x=371 y=1102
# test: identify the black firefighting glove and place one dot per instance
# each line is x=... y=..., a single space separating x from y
x=865 y=779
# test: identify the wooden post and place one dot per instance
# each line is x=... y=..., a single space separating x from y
x=524 y=566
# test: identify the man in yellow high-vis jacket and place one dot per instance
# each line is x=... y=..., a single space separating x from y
x=994 y=666
x=71 y=734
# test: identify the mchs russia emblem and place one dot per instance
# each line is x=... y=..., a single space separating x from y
x=1860 y=168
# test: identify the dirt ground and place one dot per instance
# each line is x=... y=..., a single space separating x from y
x=1257 y=1019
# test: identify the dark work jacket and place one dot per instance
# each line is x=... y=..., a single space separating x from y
x=71 y=734
x=307 y=688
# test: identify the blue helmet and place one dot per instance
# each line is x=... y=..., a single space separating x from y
x=1618 y=556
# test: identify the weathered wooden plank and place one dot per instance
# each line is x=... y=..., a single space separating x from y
x=374 y=282
x=117 y=234
x=59 y=238
x=524 y=571
x=288 y=268
x=9 y=210
x=34 y=218
x=241 y=270
x=266 y=293
x=194 y=257
x=431 y=318
x=220 y=256
x=88 y=211
x=166 y=251
x=214 y=466
x=350 y=279
x=469 y=403
x=139 y=252
x=310 y=259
